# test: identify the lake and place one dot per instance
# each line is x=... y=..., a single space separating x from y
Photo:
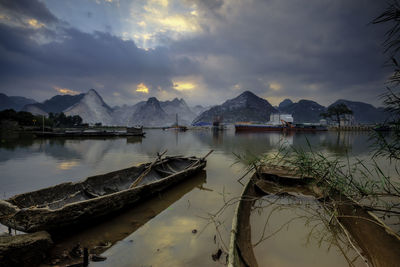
x=180 y=226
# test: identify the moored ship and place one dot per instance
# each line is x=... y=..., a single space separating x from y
x=277 y=123
x=252 y=127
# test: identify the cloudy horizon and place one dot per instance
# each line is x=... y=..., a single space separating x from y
x=203 y=51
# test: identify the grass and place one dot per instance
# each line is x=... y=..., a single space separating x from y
x=367 y=185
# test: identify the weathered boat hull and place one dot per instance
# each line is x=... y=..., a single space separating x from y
x=380 y=245
x=240 y=248
x=20 y=212
x=24 y=250
x=124 y=224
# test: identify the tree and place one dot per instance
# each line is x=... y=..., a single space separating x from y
x=76 y=120
x=8 y=114
x=61 y=120
x=337 y=112
x=26 y=118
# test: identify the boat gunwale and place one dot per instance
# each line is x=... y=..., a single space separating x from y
x=234 y=258
x=33 y=219
x=103 y=196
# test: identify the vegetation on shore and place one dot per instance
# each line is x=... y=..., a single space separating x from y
x=23 y=118
x=390 y=147
x=337 y=113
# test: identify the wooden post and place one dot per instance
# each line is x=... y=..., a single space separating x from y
x=211 y=151
x=145 y=172
x=199 y=160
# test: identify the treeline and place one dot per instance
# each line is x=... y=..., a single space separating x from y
x=60 y=120
x=24 y=118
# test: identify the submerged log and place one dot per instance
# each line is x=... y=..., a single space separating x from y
x=24 y=250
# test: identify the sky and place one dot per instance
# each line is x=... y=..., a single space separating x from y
x=205 y=51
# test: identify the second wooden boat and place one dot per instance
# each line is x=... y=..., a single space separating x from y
x=378 y=244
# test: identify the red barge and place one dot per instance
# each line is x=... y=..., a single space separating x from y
x=248 y=127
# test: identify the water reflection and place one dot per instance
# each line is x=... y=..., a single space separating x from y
x=338 y=143
x=308 y=224
x=28 y=164
x=66 y=165
x=100 y=237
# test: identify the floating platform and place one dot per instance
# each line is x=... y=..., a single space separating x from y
x=132 y=131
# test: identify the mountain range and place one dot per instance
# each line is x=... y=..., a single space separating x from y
x=302 y=111
x=92 y=108
x=245 y=107
x=14 y=102
x=363 y=112
x=56 y=104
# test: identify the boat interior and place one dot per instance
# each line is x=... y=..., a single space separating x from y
x=56 y=197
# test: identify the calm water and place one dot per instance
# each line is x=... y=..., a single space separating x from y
x=159 y=232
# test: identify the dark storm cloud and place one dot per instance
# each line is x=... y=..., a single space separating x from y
x=296 y=43
x=29 y=8
x=315 y=49
x=78 y=60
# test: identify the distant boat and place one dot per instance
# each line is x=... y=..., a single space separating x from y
x=71 y=204
x=176 y=126
x=217 y=124
x=250 y=127
x=277 y=123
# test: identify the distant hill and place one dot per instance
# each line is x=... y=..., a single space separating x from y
x=151 y=114
x=123 y=116
x=198 y=109
x=285 y=103
x=245 y=107
x=14 y=102
x=56 y=104
x=92 y=109
x=363 y=112
x=178 y=106
x=302 y=111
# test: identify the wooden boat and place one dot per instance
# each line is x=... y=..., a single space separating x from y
x=240 y=247
x=264 y=183
x=69 y=204
x=379 y=247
